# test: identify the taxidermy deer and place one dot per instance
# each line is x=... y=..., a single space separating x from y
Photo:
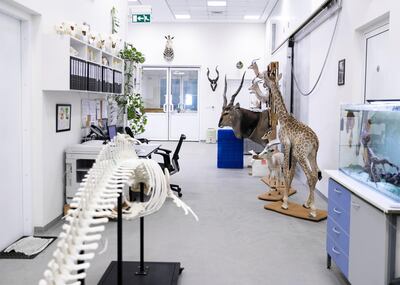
x=213 y=82
x=245 y=123
x=169 y=51
x=275 y=160
x=255 y=89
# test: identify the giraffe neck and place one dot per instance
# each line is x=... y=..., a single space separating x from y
x=280 y=107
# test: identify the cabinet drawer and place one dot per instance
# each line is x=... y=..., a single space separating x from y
x=337 y=255
x=339 y=194
x=338 y=214
x=339 y=236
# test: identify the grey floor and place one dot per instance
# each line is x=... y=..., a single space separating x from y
x=236 y=241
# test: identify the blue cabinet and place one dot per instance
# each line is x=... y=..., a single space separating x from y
x=338 y=226
x=359 y=237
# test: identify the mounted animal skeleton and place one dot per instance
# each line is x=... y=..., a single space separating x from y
x=213 y=82
x=245 y=123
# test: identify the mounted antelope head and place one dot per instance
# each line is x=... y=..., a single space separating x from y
x=213 y=82
x=254 y=67
x=255 y=89
x=230 y=115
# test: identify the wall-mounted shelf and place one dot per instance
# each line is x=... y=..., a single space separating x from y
x=71 y=64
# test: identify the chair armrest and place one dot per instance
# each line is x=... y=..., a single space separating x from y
x=165 y=150
x=166 y=158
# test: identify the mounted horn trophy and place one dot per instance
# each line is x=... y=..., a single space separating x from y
x=213 y=82
x=245 y=123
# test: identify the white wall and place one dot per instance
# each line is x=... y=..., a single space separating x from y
x=205 y=45
x=321 y=110
x=47 y=146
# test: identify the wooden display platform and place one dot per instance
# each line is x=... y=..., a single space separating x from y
x=275 y=195
x=272 y=183
x=297 y=211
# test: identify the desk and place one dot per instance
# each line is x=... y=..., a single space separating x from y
x=145 y=150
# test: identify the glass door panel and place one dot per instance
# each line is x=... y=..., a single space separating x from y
x=154 y=91
x=183 y=105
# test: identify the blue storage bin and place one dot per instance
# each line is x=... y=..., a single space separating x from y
x=230 y=150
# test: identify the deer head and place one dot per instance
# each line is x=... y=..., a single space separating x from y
x=230 y=116
x=255 y=89
x=213 y=82
x=254 y=67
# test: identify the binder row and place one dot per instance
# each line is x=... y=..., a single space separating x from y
x=117 y=82
x=78 y=74
x=93 y=77
x=108 y=80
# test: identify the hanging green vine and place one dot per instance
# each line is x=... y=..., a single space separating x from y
x=130 y=100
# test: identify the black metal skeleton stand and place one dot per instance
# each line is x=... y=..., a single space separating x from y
x=139 y=272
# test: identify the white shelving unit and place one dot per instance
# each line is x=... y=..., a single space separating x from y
x=56 y=61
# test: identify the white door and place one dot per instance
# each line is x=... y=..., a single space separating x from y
x=155 y=90
x=171 y=97
x=11 y=196
x=376 y=66
x=184 y=115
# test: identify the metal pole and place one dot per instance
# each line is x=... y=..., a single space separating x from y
x=119 y=238
x=142 y=269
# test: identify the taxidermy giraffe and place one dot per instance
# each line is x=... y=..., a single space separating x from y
x=245 y=123
x=300 y=144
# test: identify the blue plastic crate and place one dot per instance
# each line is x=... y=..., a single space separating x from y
x=230 y=150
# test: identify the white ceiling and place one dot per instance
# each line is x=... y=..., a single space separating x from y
x=235 y=10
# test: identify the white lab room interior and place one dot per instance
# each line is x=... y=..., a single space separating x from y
x=192 y=142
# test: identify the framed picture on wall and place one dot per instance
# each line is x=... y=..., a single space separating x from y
x=341 y=72
x=63 y=117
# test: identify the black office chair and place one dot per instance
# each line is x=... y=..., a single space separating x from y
x=172 y=165
x=129 y=132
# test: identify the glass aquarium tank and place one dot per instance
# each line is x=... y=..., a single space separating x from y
x=370 y=146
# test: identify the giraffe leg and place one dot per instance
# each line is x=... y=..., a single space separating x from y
x=292 y=171
x=286 y=173
x=312 y=159
x=312 y=181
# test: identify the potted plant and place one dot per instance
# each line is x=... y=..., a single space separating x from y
x=131 y=102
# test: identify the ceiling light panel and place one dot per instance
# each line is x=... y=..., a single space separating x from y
x=232 y=10
x=216 y=3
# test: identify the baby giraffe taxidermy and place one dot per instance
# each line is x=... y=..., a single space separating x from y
x=245 y=123
x=300 y=144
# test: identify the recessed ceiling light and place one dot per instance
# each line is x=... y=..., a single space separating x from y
x=251 y=17
x=216 y=3
x=182 y=16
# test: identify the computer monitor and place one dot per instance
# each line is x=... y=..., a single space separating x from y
x=112 y=131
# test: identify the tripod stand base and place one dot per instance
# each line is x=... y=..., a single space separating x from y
x=158 y=273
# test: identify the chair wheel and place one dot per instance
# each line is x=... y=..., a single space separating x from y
x=179 y=194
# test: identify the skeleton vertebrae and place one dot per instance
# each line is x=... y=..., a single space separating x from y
x=116 y=165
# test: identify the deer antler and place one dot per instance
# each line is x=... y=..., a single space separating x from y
x=224 y=95
x=237 y=92
x=216 y=70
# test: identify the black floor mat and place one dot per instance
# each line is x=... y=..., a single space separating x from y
x=18 y=255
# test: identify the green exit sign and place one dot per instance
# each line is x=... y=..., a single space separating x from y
x=141 y=18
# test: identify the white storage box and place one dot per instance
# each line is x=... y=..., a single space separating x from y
x=211 y=136
x=259 y=168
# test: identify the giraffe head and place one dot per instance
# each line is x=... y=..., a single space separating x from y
x=272 y=77
x=230 y=115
